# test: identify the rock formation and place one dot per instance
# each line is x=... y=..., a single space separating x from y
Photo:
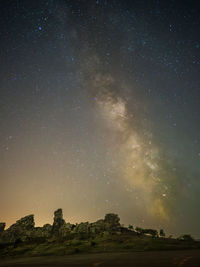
x=112 y=224
x=58 y=221
x=2 y=227
x=24 y=230
x=20 y=230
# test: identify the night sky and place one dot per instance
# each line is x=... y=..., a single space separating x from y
x=100 y=111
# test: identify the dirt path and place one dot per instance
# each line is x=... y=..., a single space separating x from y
x=187 y=258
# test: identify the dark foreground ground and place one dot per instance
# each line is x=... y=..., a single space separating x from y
x=184 y=258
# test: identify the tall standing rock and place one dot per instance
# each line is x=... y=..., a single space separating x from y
x=58 y=221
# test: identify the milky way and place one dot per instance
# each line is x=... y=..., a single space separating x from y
x=138 y=161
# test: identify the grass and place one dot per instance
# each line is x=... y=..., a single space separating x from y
x=98 y=244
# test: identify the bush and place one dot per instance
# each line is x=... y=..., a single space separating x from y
x=185 y=238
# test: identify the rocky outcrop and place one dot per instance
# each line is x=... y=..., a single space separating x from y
x=81 y=230
x=47 y=229
x=26 y=222
x=24 y=230
x=58 y=221
x=83 y=227
x=65 y=231
x=20 y=230
x=110 y=224
x=40 y=234
x=2 y=227
x=112 y=218
x=98 y=227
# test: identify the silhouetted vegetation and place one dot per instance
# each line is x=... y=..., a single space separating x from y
x=185 y=238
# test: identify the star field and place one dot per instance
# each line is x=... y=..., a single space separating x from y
x=99 y=111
